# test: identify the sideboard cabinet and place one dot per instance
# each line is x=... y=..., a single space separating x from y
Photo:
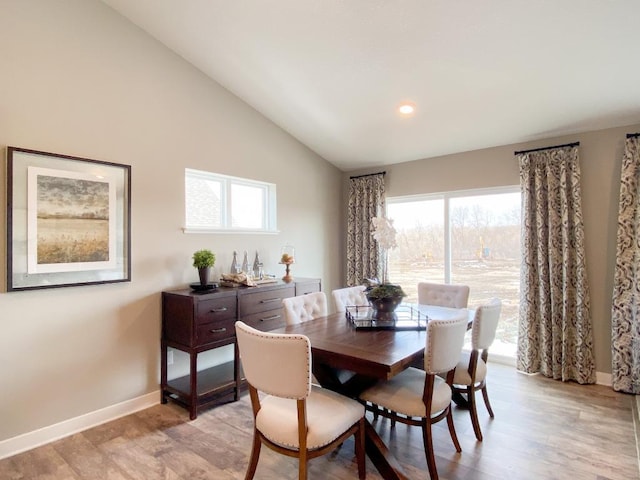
x=195 y=322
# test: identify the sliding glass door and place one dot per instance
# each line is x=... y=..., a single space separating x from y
x=470 y=237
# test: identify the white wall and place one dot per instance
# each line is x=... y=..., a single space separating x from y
x=78 y=79
x=600 y=162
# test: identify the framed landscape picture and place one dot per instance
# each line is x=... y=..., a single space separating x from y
x=68 y=220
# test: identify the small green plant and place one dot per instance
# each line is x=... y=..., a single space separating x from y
x=385 y=290
x=204 y=258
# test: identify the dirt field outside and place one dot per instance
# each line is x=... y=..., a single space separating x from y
x=487 y=278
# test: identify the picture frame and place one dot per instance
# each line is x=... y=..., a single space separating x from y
x=68 y=220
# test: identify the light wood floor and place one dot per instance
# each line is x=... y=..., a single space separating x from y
x=543 y=429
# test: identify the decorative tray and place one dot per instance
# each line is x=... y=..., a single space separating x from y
x=197 y=287
x=405 y=317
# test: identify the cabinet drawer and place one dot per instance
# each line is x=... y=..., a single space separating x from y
x=212 y=332
x=265 y=321
x=216 y=309
x=263 y=301
x=303 y=288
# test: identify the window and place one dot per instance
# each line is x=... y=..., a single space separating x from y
x=221 y=203
x=470 y=237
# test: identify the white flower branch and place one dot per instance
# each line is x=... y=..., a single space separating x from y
x=384 y=232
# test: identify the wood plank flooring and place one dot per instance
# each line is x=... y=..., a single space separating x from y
x=543 y=429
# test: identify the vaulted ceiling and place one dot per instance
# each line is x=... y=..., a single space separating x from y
x=480 y=73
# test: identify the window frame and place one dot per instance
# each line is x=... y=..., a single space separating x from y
x=269 y=201
x=446 y=198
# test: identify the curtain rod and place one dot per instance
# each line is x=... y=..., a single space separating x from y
x=631 y=135
x=369 y=175
x=574 y=144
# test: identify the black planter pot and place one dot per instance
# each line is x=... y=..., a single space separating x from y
x=204 y=275
x=384 y=308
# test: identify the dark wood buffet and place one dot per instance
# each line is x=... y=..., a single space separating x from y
x=195 y=322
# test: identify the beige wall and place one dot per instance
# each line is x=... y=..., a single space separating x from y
x=78 y=79
x=600 y=159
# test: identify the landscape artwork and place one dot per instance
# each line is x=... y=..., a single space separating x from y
x=70 y=221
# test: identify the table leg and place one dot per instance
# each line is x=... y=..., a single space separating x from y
x=380 y=455
x=351 y=385
x=459 y=400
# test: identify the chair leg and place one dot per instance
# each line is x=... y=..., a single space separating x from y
x=302 y=465
x=253 y=459
x=473 y=411
x=485 y=395
x=428 y=449
x=360 y=452
x=452 y=430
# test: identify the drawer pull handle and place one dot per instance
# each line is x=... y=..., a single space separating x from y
x=218 y=310
x=272 y=317
x=218 y=330
x=271 y=300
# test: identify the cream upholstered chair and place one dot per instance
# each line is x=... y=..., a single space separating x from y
x=420 y=397
x=344 y=297
x=304 y=307
x=307 y=307
x=443 y=294
x=291 y=416
x=471 y=372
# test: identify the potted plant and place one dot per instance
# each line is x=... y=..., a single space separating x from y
x=385 y=297
x=203 y=260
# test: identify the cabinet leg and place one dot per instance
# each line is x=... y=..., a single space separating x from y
x=163 y=372
x=193 y=379
x=236 y=371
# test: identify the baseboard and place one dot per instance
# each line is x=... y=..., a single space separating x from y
x=42 y=436
x=502 y=359
x=603 y=379
x=636 y=425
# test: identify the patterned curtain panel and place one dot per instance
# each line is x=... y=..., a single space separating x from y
x=625 y=314
x=555 y=333
x=366 y=201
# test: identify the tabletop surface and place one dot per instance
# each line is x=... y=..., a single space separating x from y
x=377 y=353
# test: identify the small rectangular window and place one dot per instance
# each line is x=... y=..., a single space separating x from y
x=217 y=203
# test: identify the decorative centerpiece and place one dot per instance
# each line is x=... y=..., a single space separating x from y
x=383 y=296
x=287 y=258
x=203 y=260
x=384 y=299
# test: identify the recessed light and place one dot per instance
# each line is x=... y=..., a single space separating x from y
x=407 y=108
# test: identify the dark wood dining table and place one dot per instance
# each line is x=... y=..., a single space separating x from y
x=348 y=360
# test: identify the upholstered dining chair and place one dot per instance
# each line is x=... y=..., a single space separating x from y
x=471 y=372
x=420 y=397
x=292 y=416
x=304 y=307
x=344 y=297
x=443 y=294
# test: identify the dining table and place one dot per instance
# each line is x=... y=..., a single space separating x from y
x=348 y=358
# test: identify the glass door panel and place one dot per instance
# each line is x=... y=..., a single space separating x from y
x=420 y=255
x=485 y=253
